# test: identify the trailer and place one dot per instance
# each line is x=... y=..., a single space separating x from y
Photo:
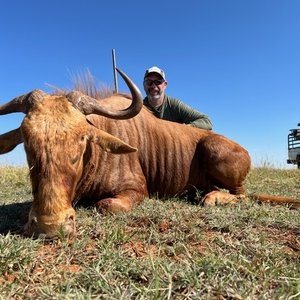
x=294 y=147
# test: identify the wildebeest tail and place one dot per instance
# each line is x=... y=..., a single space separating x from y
x=276 y=200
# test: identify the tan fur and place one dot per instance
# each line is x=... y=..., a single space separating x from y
x=276 y=200
x=72 y=159
x=9 y=140
x=220 y=198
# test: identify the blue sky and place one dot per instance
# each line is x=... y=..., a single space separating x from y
x=236 y=61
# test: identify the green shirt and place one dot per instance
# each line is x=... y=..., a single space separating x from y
x=175 y=110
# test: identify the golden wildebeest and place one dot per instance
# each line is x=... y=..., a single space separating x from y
x=114 y=153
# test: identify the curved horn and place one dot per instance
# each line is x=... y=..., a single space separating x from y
x=88 y=105
x=21 y=103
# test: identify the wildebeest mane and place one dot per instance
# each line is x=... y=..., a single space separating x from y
x=87 y=84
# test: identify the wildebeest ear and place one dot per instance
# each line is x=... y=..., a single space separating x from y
x=110 y=143
x=9 y=140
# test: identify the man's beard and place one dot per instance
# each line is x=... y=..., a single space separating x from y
x=154 y=97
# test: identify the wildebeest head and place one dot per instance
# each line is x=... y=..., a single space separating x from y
x=55 y=133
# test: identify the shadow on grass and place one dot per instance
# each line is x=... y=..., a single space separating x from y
x=13 y=217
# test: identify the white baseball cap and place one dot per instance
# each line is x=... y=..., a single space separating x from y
x=157 y=70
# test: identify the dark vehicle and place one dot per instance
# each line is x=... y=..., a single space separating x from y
x=294 y=147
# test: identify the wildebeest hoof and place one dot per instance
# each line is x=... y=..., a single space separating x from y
x=219 y=198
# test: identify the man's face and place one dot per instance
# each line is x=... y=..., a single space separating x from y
x=154 y=86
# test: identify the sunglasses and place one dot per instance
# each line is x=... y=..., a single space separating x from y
x=156 y=82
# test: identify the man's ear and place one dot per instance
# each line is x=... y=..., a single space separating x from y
x=109 y=143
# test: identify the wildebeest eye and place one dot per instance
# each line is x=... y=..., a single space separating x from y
x=83 y=138
x=74 y=159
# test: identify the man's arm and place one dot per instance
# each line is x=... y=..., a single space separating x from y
x=190 y=116
x=202 y=122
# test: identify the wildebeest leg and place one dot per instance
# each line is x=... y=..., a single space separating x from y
x=221 y=198
x=225 y=165
x=123 y=202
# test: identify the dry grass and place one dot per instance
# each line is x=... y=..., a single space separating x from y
x=164 y=249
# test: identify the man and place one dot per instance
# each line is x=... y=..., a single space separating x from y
x=166 y=107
